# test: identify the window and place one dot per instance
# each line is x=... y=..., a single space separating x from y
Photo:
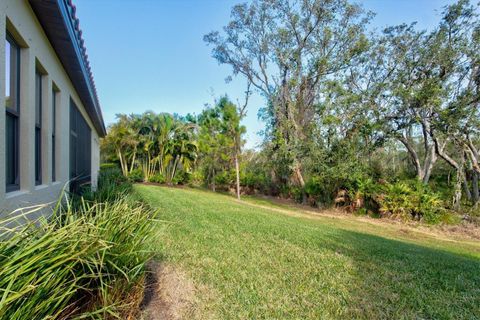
x=80 y=149
x=12 y=103
x=38 y=128
x=54 y=132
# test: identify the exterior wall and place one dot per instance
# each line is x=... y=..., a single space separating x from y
x=95 y=159
x=17 y=17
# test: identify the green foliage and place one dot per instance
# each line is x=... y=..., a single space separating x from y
x=394 y=105
x=150 y=143
x=314 y=187
x=158 y=178
x=136 y=175
x=108 y=165
x=112 y=185
x=255 y=181
x=254 y=175
x=285 y=191
x=220 y=141
x=413 y=201
x=196 y=179
x=398 y=201
x=223 y=180
x=82 y=262
x=296 y=193
x=359 y=111
x=183 y=178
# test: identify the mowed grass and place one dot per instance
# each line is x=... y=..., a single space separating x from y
x=259 y=263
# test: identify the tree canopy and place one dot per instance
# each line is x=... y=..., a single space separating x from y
x=375 y=116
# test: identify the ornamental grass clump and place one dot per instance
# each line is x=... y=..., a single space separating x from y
x=80 y=263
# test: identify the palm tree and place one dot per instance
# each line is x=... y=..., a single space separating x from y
x=160 y=143
x=122 y=138
x=182 y=151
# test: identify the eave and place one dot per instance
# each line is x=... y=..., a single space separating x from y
x=61 y=26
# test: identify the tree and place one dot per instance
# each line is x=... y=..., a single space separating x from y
x=231 y=117
x=402 y=84
x=181 y=150
x=122 y=140
x=455 y=120
x=214 y=146
x=286 y=50
x=220 y=139
x=155 y=143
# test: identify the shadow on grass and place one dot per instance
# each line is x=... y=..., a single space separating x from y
x=394 y=279
x=267 y=265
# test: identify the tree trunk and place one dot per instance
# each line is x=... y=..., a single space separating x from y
x=424 y=171
x=466 y=188
x=301 y=181
x=237 y=169
x=458 y=166
x=133 y=161
x=457 y=197
x=174 y=169
x=122 y=163
x=475 y=191
x=213 y=181
x=413 y=156
x=428 y=166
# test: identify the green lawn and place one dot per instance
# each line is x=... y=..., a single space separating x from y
x=263 y=263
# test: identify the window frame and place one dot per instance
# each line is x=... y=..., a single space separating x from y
x=38 y=126
x=15 y=115
x=55 y=93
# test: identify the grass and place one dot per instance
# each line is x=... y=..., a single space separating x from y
x=254 y=260
x=78 y=264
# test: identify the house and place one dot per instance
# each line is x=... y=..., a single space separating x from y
x=52 y=121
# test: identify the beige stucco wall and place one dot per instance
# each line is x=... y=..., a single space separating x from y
x=21 y=22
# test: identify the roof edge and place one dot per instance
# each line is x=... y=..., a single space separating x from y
x=72 y=54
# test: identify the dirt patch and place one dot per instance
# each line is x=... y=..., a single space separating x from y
x=169 y=294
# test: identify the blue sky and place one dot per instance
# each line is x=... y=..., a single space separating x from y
x=150 y=54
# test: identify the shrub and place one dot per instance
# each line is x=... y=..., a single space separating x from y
x=321 y=189
x=196 y=179
x=136 y=175
x=285 y=191
x=364 y=191
x=296 y=193
x=112 y=184
x=182 y=177
x=109 y=176
x=90 y=257
x=223 y=180
x=413 y=201
x=84 y=260
x=255 y=181
x=397 y=201
x=248 y=179
x=158 y=178
x=108 y=165
x=314 y=188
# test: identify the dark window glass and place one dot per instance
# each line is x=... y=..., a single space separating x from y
x=54 y=131
x=80 y=149
x=12 y=100
x=38 y=128
x=11 y=151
